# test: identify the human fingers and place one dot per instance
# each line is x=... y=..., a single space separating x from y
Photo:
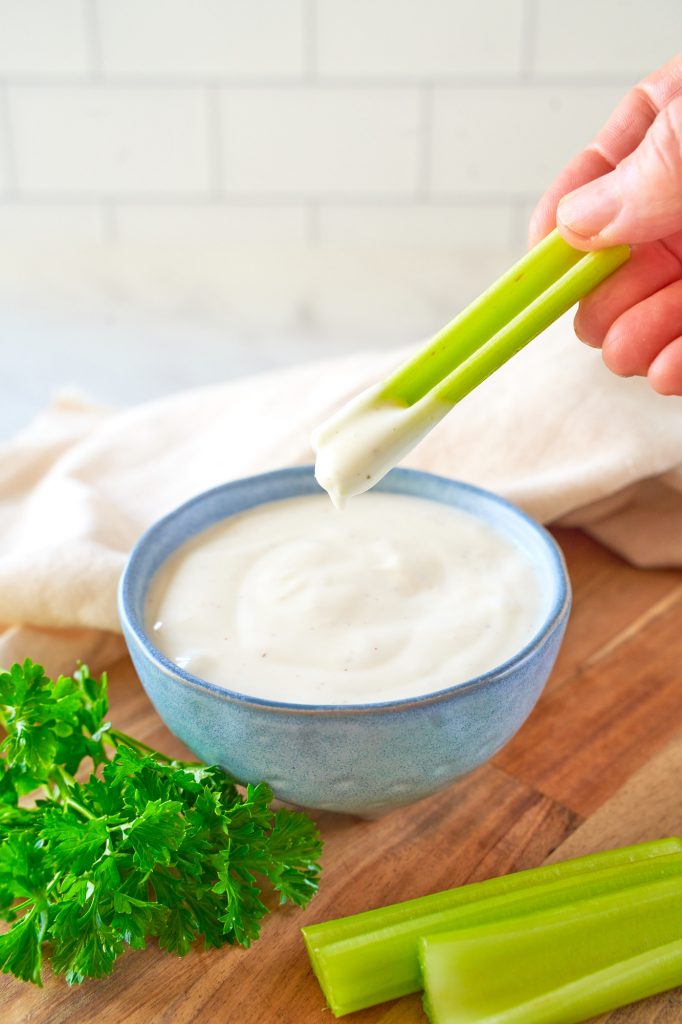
x=582 y=168
x=640 y=334
x=639 y=201
x=665 y=373
x=620 y=136
x=650 y=268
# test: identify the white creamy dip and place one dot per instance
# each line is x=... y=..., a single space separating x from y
x=396 y=597
x=366 y=438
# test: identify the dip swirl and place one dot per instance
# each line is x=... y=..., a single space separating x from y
x=395 y=597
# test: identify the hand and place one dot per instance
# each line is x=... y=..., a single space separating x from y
x=627 y=187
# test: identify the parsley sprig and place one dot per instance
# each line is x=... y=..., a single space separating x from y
x=146 y=847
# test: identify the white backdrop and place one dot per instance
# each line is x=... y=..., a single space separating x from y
x=420 y=122
x=191 y=190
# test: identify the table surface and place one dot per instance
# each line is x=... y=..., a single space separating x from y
x=597 y=765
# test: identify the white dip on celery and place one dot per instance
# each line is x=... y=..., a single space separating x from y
x=293 y=601
x=366 y=438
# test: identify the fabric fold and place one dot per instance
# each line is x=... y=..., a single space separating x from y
x=553 y=431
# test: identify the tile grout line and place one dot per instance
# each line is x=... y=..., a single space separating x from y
x=231 y=198
x=109 y=221
x=214 y=142
x=519 y=230
x=424 y=141
x=92 y=27
x=310 y=34
x=313 y=223
x=528 y=34
x=11 y=188
x=164 y=80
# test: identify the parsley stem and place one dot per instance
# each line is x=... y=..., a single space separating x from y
x=121 y=737
x=38 y=900
x=52 y=883
x=30 y=902
x=63 y=783
x=79 y=807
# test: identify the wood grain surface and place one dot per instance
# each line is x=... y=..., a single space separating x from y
x=599 y=764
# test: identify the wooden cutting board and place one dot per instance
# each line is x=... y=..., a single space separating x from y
x=599 y=764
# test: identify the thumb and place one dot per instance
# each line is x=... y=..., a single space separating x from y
x=639 y=201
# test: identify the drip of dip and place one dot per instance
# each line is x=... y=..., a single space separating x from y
x=397 y=597
x=366 y=438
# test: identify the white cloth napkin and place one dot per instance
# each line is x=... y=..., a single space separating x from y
x=552 y=431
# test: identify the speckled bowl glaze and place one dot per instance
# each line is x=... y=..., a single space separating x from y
x=364 y=758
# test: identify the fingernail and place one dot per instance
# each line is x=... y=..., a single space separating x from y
x=591 y=208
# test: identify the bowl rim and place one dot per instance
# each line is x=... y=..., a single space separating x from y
x=560 y=604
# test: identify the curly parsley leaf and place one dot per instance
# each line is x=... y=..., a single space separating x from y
x=147 y=847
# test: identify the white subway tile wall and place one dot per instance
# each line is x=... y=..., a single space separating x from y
x=602 y=38
x=5 y=179
x=45 y=37
x=109 y=140
x=33 y=222
x=201 y=39
x=504 y=158
x=211 y=224
x=469 y=225
x=418 y=39
x=320 y=141
x=414 y=123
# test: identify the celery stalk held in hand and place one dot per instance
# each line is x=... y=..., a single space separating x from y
x=560 y=966
x=371 y=957
x=360 y=443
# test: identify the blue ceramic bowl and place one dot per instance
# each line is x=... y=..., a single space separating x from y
x=362 y=758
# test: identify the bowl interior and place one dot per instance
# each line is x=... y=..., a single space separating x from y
x=171 y=532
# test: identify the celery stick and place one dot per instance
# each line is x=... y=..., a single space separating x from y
x=558 y=966
x=372 y=956
x=557 y=298
x=369 y=435
x=626 y=982
x=317 y=935
x=384 y=964
x=483 y=318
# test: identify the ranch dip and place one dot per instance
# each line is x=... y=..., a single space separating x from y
x=366 y=438
x=395 y=597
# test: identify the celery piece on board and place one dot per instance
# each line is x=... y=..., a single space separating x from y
x=559 y=966
x=372 y=957
x=353 y=970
